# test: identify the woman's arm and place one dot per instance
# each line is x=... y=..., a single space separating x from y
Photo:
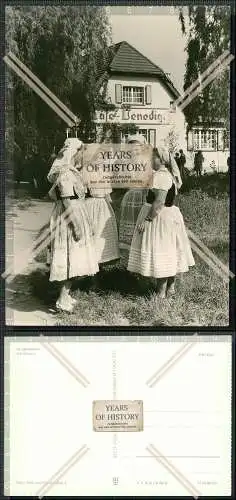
x=158 y=204
x=108 y=198
x=65 y=186
x=71 y=217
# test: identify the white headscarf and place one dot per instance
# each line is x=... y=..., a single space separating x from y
x=64 y=158
x=168 y=160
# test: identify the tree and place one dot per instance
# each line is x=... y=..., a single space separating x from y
x=171 y=141
x=208 y=36
x=64 y=47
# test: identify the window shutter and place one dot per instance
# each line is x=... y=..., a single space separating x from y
x=220 y=140
x=152 y=137
x=118 y=93
x=148 y=94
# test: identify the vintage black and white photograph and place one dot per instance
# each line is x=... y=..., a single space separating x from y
x=117 y=165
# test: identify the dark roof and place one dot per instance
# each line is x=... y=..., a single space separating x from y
x=125 y=59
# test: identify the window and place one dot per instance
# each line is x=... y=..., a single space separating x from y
x=205 y=139
x=208 y=139
x=133 y=95
x=149 y=134
x=144 y=132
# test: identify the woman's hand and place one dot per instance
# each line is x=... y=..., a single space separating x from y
x=141 y=227
x=76 y=232
x=150 y=217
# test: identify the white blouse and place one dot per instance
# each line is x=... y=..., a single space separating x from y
x=162 y=179
x=70 y=183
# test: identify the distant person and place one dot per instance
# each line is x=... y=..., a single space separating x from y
x=177 y=158
x=228 y=162
x=198 y=163
x=181 y=164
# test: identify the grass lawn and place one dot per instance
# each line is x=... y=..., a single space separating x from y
x=202 y=296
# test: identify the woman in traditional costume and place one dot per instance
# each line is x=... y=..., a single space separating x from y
x=104 y=222
x=133 y=201
x=160 y=246
x=73 y=252
x=130 y=207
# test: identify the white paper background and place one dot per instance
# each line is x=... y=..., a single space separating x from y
x=187 y=417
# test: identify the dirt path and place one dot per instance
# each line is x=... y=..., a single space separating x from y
x=24 y=220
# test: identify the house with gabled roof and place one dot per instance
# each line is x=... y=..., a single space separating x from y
x=143 y=95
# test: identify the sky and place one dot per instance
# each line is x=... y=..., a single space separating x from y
x=156 y=35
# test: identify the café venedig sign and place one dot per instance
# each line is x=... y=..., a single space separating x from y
x=135 y=115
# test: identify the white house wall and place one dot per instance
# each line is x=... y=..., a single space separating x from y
x=160 y=103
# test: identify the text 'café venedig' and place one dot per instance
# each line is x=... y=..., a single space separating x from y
x=132 y=115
